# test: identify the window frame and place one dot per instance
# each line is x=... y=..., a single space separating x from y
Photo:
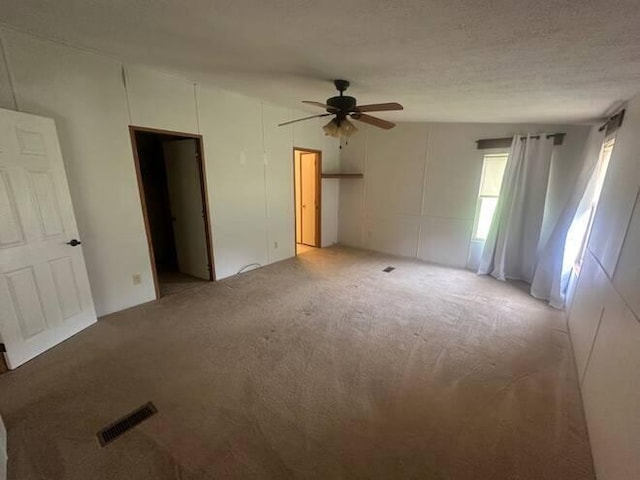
x=602 y=167
x=493 y=152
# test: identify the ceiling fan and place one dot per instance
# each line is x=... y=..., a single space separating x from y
x=345 y=107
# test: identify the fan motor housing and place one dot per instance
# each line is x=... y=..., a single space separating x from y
x=343 y=102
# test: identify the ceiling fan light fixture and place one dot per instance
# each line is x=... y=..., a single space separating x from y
x=347 y=128
x=343 y=129
x=331 y=129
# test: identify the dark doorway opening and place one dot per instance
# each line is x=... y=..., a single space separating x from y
x=173 y=194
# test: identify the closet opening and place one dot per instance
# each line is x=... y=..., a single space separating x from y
x=171 y=180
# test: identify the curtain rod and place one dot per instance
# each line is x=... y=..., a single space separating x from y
x=505 y=142
x=551 y=135
x=613 y=123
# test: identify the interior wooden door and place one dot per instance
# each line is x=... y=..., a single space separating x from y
x=44 y=288
x=297 y=195
x=187 y=210
x=309 y=197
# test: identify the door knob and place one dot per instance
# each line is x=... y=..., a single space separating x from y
x=73 y=242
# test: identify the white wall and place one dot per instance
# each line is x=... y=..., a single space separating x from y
x=420 y=187
x=248 y=159
x=604 y=319
x=3 y=451
x=6 y=92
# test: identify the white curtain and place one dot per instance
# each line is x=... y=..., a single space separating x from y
x=557 y=257
x=512 y=246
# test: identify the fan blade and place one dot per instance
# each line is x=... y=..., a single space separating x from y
x=305 y=118
x=378 y=107
x=316 y=104
x=375 y=121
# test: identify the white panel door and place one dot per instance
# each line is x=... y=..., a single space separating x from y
x=187 y=212
x=44 y=289
x=308 y=192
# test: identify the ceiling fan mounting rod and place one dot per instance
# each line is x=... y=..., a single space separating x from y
x=341 y=102
x=341 y=85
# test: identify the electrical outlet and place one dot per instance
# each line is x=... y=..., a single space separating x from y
x=275 y=245
x=137 y=279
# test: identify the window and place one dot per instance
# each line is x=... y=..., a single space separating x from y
x=578 y=233
x=493 y=167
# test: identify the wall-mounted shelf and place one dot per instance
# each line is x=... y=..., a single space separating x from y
x=342 y=175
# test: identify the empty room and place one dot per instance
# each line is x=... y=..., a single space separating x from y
x=346 y=239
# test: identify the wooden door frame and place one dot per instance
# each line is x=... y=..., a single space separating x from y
x=203 y=190
x=318 y=196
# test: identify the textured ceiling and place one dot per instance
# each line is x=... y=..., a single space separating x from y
x=446 y=60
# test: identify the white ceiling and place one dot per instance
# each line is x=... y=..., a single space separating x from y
x=445 y=60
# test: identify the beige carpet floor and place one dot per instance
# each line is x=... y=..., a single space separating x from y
x=318 y=367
